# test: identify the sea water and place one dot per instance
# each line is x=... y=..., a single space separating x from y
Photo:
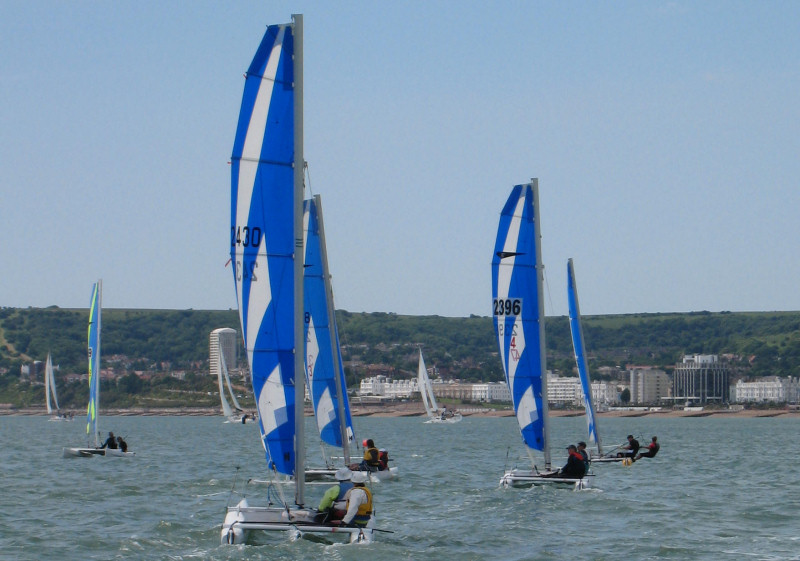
x=720 y=488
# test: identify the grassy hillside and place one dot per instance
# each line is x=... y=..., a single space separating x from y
x=163 y=342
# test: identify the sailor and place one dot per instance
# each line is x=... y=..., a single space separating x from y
x=371 y=460
x=110 y=442
x=584 y=454
x=652 y=449
x=575 y=468
x=333 y=502
x=359 y=502
x=631 y=448
x=122 y=444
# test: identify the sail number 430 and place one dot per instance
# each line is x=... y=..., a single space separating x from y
x=507 y=306
x=245 y=236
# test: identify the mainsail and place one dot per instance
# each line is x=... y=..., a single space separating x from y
x=580 y=354
x=517 y=277
x=266 y=241
x=223 y=375
x=50 y=386
x=323 y=358
x=425 y=389
x=94 y=362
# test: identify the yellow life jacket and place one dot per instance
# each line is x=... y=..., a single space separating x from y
x=371 y=456
x=364 y=509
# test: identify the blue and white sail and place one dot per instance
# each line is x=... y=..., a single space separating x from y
x=518 y=311
x=324 y=367
x=93 y=337
x=265 y=239
x=580 y=354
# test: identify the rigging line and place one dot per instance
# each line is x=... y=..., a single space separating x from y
x=308 y=175
x=547 y=285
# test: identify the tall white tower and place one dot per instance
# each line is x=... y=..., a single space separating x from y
x=223 y=340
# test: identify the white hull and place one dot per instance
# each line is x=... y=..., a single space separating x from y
x=91 y=452
x=606 y=460
x=383 y=475
x=57 y=418
x=447 y=420
x=242 y=519
x=528 y=478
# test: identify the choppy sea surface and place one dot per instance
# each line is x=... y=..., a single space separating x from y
x=721 y=488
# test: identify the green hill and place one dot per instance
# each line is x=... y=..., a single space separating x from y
x=151 y=350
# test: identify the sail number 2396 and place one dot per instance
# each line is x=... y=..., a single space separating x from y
x=507 y=306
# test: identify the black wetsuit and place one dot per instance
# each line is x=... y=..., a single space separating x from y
x=110 y=443
x=574 y=468
x=651 y=451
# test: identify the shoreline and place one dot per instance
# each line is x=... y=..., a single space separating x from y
x=416 y=410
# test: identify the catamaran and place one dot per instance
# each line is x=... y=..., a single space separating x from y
x=429 y=401
x=324 y=368
x=92 y=410
x=50 y=390
x=518 y=312
x=267 y=169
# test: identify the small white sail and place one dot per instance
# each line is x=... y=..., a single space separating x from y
x=50 y=386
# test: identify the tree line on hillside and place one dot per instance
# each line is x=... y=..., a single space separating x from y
x=465 y=348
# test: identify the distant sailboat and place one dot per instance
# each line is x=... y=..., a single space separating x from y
x=92 y=410
x=267 y=168
x=518 y=311
x=51 y=397
x=429 y=400
x=222 y=375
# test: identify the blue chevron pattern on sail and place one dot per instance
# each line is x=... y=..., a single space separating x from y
x=93 y=338
x=323 y=361
x=518 y=312
x=262 y=238
x=580 y=351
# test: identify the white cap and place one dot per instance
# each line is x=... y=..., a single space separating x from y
x=343 y=474
x=359 y=477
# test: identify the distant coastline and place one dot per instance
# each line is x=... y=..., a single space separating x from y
x=411 y=409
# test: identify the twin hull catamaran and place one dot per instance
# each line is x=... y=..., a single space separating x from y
x=428 y=399
x=267 y=169
x=92 y=410
x=518 y=312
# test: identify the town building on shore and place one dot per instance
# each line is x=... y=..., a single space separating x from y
x=771 y=389
x=701 y=380
x=649 y=385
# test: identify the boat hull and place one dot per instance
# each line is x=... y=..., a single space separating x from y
x=520 y=478
x=242 y=519
x=449 y=420
x=91 y=452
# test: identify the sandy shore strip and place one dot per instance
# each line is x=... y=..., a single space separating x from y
x=412 y=409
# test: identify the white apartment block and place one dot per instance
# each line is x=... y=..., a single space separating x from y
x=771 y=389
x=223 y=340
x=649 y=385
x=387 y=387
x=491 y=392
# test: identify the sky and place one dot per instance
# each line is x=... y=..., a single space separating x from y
x=665 y=137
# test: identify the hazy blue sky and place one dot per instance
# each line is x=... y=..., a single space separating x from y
x=665 y=136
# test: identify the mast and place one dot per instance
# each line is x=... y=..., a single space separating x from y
x=97 y=382
x=540 y=291
x=332 y=332
x=299 y=339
